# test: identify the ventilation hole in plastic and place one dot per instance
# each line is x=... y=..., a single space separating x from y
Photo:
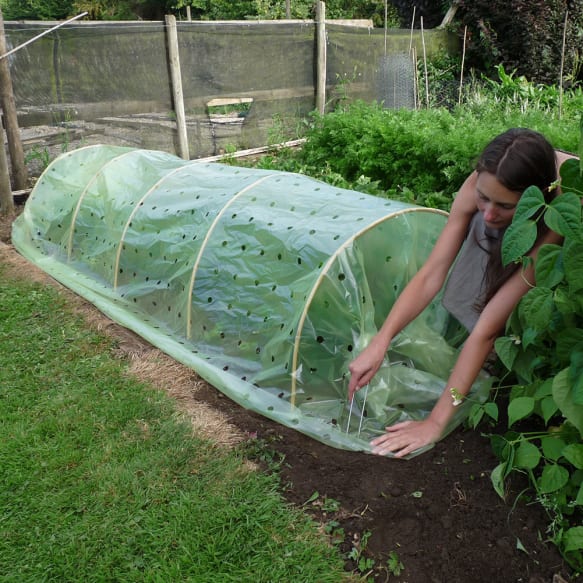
x=262 y=252
x=336 y=237
x=320 y=339
x=279 y=256
x=313 y=370
x=291 y=294
x=243 y=247
x=320 y=265
x=243 y=378
x=258 y=350
x=290 y=228
x=292 y=208
x=135 y=251
x=235 y=276
x=151 y=254
x=154 y=303
x=226 y=367
x=360 y=219
x=183 y=236
x=147 y=278
x=194 y=238
x=286 y=365
x=349 y=348
x=135 y=301
x=270 y=408
x=395 y=287
x=326 y=304
x=335 y=217
x=159 y=282
x=222 y=335
x=270 y=224
x=312 y=231
x=272 y=358
x=120 y=269
x=299 y=260
x=295 y=421
x=209 y=300
x=180 y=314
x=224 y=243
x=272 y=204
x=291 y=332
x=216 y=271
x=169 y=308
x=204 y=328
x=281 y=326
x=256 y=282
x=273 y=287
x=363 y=300
x=229 y=306
x=234 y=216
x=341 y=277
x=134 y=274
x=239 y=342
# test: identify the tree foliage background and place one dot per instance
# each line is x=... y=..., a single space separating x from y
x=525 y=36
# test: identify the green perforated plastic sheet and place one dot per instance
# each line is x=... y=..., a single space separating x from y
x=266 y=283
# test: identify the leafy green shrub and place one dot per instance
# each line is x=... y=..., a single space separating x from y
x=543 y=347
x=525 y=35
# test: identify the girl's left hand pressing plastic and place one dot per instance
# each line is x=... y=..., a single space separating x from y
x=404 y=438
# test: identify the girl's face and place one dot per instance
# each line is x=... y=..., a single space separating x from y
x=495 y=201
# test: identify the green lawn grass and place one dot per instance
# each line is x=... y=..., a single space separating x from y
x=103 y=481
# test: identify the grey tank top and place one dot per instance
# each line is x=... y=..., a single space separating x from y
x=466 y=284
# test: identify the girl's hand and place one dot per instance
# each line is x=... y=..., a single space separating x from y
x=404 y=438
x=365 y=365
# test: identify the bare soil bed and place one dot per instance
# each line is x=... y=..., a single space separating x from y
x=438 y=512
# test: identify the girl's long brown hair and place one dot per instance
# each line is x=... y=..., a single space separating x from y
x=518 y=158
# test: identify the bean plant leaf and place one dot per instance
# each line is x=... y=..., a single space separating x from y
x=491 y=410
x=497 y=477
x=563 y=215
x=569 y=341
x=518 y=240
x=571 y=175
x=507 y=350
x=573 y=539
x=520 y=408
x=553 y=478
x=576 y=376
x=548 y=408
x=549 y=270
x=573 y=251
x=537 y=306
x=579 y=497
x=564 y=398
x=574 y=454
x=552 y=447
x=527 y=456
x=531 y=201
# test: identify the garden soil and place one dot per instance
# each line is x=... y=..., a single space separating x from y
x=434 y=518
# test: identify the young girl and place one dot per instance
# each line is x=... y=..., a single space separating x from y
x=480 y=292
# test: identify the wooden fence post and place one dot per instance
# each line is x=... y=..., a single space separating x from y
x=19 y=170
x=176 y=78
x=321 y=56
x=6 y=198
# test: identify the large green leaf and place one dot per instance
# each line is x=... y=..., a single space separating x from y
x=562 y=393
x=518 y=240
x=573 y=539
x=564 y=215
x=520 y=408
x=574 y=454
x=537 y=307
x=553 y=478
x=552 y=447
x=572 y=256
x=527 y=456
x=572 y=176
x=531 y=201
x=549 y=269
x=497 y=477
x=507 y=349
x=576 y=376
